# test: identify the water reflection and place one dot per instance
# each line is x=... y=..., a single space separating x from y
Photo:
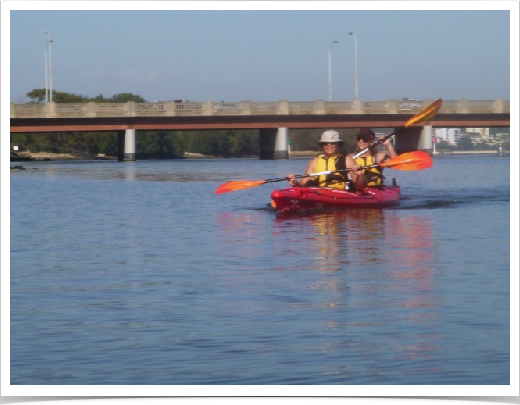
x=378 y=266
x=363 y=272
x=129 y=169
x=340 y=238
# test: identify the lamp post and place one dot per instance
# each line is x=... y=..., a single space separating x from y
x=355 y=62
x=330 y=68
x=48 y=50
x=46 y=76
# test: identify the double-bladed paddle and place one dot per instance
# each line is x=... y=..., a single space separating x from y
x=418 y=160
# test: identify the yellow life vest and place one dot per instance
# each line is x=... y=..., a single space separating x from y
x=333 y=180
x=374 y=175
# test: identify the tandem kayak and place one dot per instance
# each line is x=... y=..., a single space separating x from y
x=309 y=198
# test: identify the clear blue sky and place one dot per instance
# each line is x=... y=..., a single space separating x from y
x=263 y=55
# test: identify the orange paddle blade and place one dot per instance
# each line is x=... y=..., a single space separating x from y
x=418 y=160
x=238 y=185
x=426 y=113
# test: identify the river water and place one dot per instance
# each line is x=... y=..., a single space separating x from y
x=137 y=274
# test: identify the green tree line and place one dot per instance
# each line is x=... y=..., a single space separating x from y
x=38 y=96
x=149 y=144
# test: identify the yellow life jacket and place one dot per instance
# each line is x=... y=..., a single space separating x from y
x=333 y=180
x=374 y=175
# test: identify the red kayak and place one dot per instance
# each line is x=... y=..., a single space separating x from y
x=305 y=198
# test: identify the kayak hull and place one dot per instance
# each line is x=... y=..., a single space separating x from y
x=311 y=198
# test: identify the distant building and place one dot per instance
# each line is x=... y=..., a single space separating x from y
x=483 y=132
x=451 y=135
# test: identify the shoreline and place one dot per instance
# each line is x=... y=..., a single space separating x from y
x=47 y=156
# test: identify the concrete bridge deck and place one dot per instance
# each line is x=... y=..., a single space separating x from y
x=250 y=115
x=273 y=119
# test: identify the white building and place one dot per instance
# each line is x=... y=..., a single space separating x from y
x=451 y=135
x=483 y=132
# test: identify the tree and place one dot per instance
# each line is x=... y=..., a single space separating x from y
x=62 y=97
x=465 y=143
x=444 y=145
x=482 y=146
x=125 y=97
x=37 y=95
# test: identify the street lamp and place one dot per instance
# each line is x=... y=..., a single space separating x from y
x=330 y=68
x=48 y=50
x=355 y=61
x=46 y=75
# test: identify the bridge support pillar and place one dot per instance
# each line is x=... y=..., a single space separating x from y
x=414 y=138
x=274 y=144
x=126 y=145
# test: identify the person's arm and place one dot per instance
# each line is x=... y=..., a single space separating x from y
x=390 y=152
x=310 y=169
x=356 y=174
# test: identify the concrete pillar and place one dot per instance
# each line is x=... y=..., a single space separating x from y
x=170 y=108
x=273 y=144
x=52 y=111
x=246 y=107
x=126 y=145
x=426 y=139
x=393 y=106
x=91 y=109
x=130 y=108
x=13 y=110
x=498 y=106
x=414 y=138
x=208 y=107
x=357 y=106
x=283 y=107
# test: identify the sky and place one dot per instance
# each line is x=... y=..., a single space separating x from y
x=263 y=54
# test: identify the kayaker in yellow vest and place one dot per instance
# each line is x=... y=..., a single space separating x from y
x=368 y=177
x=330 y=159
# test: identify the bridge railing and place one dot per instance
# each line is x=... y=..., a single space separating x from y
x=210 y=108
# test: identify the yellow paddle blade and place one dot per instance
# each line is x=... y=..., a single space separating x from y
x=425 y=114
x=417 y=160
x=238 y=185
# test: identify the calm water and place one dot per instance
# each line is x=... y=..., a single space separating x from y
x=136 y=273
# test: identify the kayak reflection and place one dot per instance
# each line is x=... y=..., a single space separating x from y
x=363 y=273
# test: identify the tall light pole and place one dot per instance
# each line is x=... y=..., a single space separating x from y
x=355 y=62
x=48 y=50
x=46 y=75
x=330 y=68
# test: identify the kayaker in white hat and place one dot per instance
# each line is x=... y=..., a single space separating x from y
x=330 y=159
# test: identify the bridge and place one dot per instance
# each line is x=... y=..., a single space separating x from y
x=273 y=119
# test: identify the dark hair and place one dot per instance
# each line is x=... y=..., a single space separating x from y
x=366 y=133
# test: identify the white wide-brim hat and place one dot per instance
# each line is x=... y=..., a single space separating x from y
x=330 y=136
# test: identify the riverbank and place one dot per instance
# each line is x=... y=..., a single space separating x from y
x=471 y=152
x=45 y=156
x=304 y=153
